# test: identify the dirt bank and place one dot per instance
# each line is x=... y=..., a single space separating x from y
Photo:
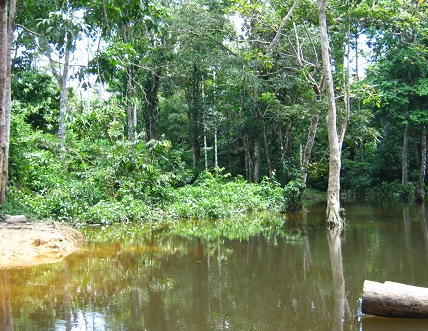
x=29 y=244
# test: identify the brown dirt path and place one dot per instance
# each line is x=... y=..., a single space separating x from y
x=29 y=244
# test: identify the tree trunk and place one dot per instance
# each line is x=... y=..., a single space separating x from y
x=394 y=300
x=420 y=191
x=257 y=157
x=266 y=147
x=215 y=149
x=62 y=78
x=405 y=190
x=152 y=103
x=333 y=192
x=131 y=106
x=404 y=169
x=3 y=98
x=308 y=148
x=194 y=111
x=247 y=155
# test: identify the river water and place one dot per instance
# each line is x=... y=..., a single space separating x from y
x=304 y=278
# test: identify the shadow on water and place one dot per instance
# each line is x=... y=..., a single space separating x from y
x=294 y=277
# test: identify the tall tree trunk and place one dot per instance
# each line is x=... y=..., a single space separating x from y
x=4 y=50
x=334 y=219
x=420 y=191
x=194 y=105
x=11 y=28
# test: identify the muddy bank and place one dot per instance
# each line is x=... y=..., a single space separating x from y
x=29 y=244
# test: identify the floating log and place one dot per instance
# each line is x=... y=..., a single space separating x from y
x=394 y=300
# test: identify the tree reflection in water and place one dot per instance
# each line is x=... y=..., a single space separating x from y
x=6 y=321
x=341 y=305
x=289 y=280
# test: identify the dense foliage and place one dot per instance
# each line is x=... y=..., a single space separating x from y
x=208 y=107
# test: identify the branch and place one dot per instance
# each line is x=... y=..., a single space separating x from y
x=275 y=40
x=26 y=29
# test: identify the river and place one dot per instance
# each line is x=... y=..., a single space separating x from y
x=302 y=278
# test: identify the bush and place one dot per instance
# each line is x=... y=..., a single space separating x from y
x=217 y=195
x=293 y=195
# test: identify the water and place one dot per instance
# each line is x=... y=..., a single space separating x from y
x=312 y=281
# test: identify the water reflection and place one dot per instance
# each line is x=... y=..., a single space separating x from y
x=298 y=280
x=340 y=300
x=6 y=320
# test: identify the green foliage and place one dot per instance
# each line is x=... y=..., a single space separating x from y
x=215 y=195
x=293 y=194
x=357 y=177
x=35 y=98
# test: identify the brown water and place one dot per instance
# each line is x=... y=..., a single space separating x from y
x=312 y=281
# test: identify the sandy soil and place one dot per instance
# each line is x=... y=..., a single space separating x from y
x=29 y=244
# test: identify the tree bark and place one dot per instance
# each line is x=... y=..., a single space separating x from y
x=62 y=77
x=257 y=154
x=308 y=148
x=152 y=103
x=404 y=169
x=333 y=218
x=3 y=98
x=394 y=300
x=131 y=105
x=420 y=191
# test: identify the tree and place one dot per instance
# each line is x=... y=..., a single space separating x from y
x=334 y=218
x=8 y=11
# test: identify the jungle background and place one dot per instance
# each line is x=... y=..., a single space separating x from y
x=136 y=111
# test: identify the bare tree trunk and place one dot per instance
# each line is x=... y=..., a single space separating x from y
x=420 y=191
x=3 y=98
x=11 y=28
x=334 y=219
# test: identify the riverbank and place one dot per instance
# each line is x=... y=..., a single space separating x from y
x=29 y=244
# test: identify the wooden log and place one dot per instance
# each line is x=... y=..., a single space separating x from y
x=394 y=300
